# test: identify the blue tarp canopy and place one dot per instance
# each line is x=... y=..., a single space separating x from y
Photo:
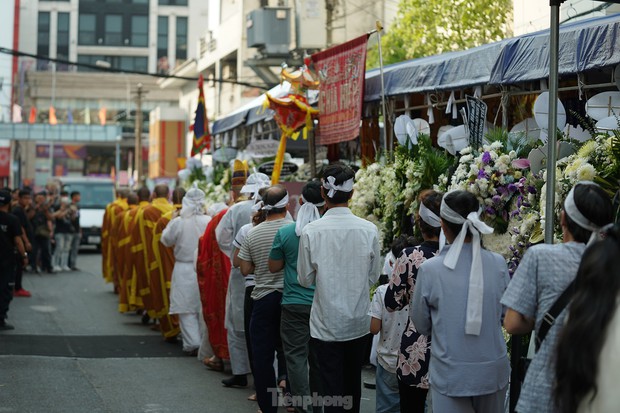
x=229 y=122
x=452 y=70
x=584 y=45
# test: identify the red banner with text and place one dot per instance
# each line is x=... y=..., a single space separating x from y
x=5 y=162
x=341 y=71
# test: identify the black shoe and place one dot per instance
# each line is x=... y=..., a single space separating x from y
x=238 y=380
x=6 y=326
x=75 y=269
x=191 y=353
x=370 y=384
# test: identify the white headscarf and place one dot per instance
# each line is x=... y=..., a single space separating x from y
x=280 y=204
x=330 y=183
x=193 y=202
x=255 y=183
x=307 y=213
x=570 y=208
x=434 y=221
x=473 y=318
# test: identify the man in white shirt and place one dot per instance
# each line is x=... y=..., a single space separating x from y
x=339 y=253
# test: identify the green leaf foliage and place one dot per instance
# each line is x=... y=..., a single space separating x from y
x=430 y=27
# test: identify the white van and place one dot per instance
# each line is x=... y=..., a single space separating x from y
x=95 y=193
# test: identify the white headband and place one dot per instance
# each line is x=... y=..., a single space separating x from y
x=318 y=204
x=429 y=216
x=281 y=204
x=257 y=206
x=473 y=319
x=307 y=213
x=330 y=183
x=570 y=208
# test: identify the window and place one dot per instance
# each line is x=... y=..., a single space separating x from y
x=62 y=42
x=43 y=39
x=113 y=30
x=87 y=29
x=89 y=59
x=162 y=44
x=173 y=2
x=139 y=30
x=181 y=38
x=133 y=63
x=137 y=63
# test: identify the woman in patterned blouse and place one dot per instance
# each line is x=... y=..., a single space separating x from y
x=414 y=357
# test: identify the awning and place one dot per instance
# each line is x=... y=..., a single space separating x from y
x=452 y=70
x=584 y=45
x=229 y=122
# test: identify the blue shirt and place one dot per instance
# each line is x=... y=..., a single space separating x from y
x=285 y=247
x=462 y=365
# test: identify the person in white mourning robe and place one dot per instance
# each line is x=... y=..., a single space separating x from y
x=236 y=217
x=183 y=233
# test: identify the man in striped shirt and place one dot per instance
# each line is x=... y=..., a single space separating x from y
x=267 y=294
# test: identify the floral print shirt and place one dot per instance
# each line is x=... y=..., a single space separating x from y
x=415 y=348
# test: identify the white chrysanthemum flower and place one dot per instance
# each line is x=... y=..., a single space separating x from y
x=586 y=172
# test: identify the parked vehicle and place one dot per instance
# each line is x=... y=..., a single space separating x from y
x=95 y=193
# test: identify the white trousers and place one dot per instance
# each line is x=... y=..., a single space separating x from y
x=205 y=350
x=239 y=361
x=190 y=330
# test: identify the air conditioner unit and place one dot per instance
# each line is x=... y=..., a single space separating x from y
x=269 y=29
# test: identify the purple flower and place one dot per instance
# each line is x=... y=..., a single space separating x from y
x=519 y=201
x=490 y=211
x=481 y=174
x=486 y=158
x=531 y=189
x=496 y=199
x=512 y=188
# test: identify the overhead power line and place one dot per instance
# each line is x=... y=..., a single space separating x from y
x=116 y=70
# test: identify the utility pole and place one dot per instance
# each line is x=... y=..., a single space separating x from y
x=138 y=143
x=330 y=7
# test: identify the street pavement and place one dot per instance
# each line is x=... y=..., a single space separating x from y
x=71 y=351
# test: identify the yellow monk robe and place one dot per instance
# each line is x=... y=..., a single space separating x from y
x=113 y=240
x=123 y=252
x=109 y=221
x=135 y=258
x=143 y=234
x=161 y=278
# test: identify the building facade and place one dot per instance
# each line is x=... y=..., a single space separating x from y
x=144 y=36
x=534 y=15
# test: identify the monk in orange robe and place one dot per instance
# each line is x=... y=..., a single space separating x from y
x=123 y=250
x=212 y=269
x=161 y=273
x=135 y=260
x=109 y=221
x=143 y=234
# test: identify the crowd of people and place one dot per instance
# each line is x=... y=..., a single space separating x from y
x=47 y=241
x=293 y=303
